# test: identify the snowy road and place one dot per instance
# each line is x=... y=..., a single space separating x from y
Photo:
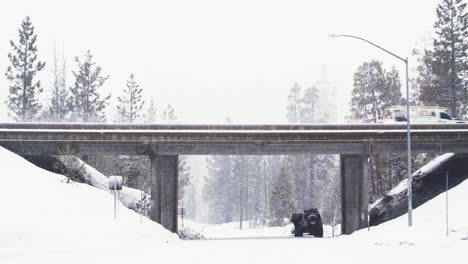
x=261 y=250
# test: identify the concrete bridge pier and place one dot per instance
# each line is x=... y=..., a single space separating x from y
x=354 y=192
x=164 y=184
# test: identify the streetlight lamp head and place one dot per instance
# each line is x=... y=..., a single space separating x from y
x=332 y=35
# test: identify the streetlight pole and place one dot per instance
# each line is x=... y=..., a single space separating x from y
x=408 y=129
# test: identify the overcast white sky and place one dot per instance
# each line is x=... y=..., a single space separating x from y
x=211 y=59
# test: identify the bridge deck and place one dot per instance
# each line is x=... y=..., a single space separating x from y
x=233 y=139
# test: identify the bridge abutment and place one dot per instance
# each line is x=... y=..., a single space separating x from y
x=354 y=192
x=164 y=185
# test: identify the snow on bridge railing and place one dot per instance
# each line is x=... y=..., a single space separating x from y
x=227 y=127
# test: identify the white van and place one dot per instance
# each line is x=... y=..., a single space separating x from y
x=419 y=115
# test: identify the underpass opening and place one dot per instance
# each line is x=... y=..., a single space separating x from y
x=256 y=195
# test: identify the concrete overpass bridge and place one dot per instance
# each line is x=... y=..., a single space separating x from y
x=164 y=143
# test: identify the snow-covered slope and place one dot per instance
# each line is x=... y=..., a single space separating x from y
x=429 y=222
x=39 y=210
x=428 y=182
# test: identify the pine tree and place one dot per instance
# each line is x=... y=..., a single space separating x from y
x=294 y=101
x=150 y=115
x=85 y=102
x=22 y=100
x=131 y=104
x=58 y=110
x=134 y=169
x=271 y=167
x=373 y=90
x=448 y=61
x=184 y=176
x=240 y=182
x=220 y=190
x=168 y=116
x=391 y=95
x=281 y=196
x=424 y=80
x=309 y=102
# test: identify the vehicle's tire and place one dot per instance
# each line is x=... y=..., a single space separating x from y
x=312 y=219
x=319 y=230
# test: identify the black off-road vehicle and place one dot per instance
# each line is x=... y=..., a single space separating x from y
x=309 y=222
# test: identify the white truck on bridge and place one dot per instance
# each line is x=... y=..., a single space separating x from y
x=419 y=115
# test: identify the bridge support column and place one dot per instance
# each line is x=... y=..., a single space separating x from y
x=164 y=184
x=354 y=192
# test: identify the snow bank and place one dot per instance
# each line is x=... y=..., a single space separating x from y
x=40 y=211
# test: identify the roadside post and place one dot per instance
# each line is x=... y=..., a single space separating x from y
x=115 y=185
x=182 y=213
x=446 y=203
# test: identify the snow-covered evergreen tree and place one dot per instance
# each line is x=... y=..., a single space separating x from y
x=281 y=196
x=373 y=90
x=184 y=176
x=85 y=102
x=448 y=61
x=168 y=115
x=270 y=168
x=309 y=105
x=131 y=103
x=58 y=110
x=424 y=77
x=220 y=189
x=23 y=97
x=294 y=104
x=151 y=114
x=134 y=169
x=257 y=193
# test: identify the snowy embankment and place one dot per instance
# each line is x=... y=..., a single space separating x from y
x=42 y=212
x=429 y=224
x=129 y=197
x=429 y=221
x=427 y=183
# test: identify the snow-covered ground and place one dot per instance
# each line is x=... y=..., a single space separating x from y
x=43 y=219
x=232 y=230
x=43 y=215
